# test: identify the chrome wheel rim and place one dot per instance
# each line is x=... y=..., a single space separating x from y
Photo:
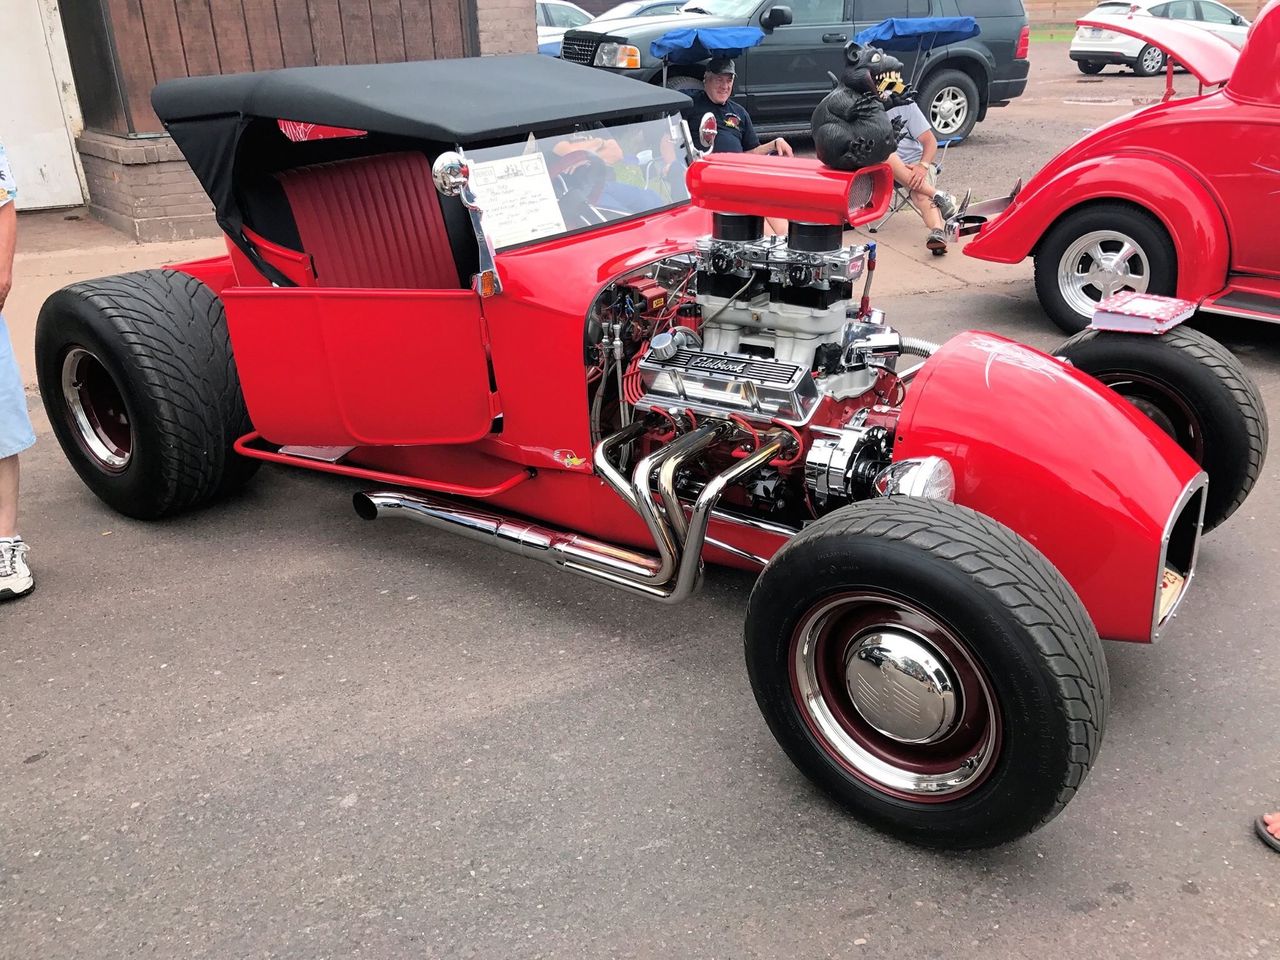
x=1098 y=264
x=949 y=109
x=930 y=740
x=96 y=410
x=1152 y=60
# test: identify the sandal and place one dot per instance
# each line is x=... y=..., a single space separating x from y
x=1260 y=827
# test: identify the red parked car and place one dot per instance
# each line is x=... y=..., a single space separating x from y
x=546 y=322
x=1182 y=197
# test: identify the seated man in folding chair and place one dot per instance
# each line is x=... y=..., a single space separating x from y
x=914 y=169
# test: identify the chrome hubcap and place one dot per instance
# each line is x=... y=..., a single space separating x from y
x=894 y=697
x=1151 y=62
x=949 y=109
x=901 y=687
x=1098 y=264
x=96 y=410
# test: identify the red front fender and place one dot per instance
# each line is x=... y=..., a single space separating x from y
x=1066 y=463
x=1164 y=189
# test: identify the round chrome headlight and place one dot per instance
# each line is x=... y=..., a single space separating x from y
x=930 y=477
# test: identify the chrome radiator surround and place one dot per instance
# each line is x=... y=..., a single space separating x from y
x=718 y=384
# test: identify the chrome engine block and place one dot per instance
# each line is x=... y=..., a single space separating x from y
x=717 y=384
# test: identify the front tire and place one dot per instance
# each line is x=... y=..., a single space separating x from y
x=1193 y=389
x=137 y=377
x=1097 y=251
x=950 y=104
x=1150 y=61
x=859 y=624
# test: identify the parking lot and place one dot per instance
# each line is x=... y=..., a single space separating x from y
x=271 y=729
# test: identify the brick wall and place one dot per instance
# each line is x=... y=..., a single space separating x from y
x=144 y=188
x=506 y=26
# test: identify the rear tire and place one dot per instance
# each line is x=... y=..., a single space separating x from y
x=1029 y=681
x=137 y=377
x=1089 y=67
x=1151 y=60
x=1193 y=389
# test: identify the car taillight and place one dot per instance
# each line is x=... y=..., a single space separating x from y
x=1024 y=44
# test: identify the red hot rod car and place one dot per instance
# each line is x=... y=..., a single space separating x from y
x=1182 y=197
x=549 y=323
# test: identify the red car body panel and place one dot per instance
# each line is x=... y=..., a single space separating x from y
x=1094 y=531
x=1256 y=79
x=403 y=377
x=1207 y=167
x=412 y=370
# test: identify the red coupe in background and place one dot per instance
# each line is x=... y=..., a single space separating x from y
x=1179 y=198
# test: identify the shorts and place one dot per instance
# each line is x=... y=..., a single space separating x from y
x=16 y=433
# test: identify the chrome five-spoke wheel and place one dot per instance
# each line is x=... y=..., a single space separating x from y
x=1098 y=264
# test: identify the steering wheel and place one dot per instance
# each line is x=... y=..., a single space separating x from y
x=578 y=179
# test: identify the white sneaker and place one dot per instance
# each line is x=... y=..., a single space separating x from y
x=15 y=576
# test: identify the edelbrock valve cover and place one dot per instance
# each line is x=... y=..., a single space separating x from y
x=722 y=383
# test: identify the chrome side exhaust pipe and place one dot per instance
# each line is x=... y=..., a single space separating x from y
x=670 y=577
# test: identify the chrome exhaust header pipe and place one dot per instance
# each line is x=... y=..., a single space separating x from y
x=670 y=577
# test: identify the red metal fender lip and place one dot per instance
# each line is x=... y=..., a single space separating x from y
x=1061 y=460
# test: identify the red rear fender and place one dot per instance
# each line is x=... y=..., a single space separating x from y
x=1164 y=189
x=1052 y=454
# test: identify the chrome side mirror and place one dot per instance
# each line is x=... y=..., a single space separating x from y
x=451 y=173
x=707 y=131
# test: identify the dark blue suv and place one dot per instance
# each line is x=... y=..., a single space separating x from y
x=782 y=80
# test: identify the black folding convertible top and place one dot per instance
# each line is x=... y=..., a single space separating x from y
x=478 y=98
x=226 y=125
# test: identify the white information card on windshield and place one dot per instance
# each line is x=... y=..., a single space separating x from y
x=517 y=198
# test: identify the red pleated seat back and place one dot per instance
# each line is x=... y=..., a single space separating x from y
x=372 y=222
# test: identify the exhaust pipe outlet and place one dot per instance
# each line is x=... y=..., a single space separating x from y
x=670 y=577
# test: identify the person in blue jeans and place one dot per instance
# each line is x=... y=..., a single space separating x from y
x=16 y=434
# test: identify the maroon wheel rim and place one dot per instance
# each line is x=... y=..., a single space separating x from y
x=95 y=411
x=1162 y=405
x=895 y=697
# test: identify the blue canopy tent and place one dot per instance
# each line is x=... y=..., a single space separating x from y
x=902 y=34
x=689 y=45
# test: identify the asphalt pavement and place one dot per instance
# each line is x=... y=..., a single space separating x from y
x=270 y=729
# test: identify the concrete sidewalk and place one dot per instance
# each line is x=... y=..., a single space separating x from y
x=65 y=246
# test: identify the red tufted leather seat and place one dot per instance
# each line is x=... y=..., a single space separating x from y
x=372 y=222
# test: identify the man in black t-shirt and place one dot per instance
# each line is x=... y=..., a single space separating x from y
x=734 y=131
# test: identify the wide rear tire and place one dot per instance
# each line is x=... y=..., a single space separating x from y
x=1193 y=389
x=139 y=383
x=947 y=598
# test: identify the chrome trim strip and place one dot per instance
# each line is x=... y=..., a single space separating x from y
x=1198 y=483
x=1243 y=314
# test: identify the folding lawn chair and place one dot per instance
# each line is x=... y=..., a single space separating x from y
x=920 y=35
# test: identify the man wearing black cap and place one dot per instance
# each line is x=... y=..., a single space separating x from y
x=734 y=132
